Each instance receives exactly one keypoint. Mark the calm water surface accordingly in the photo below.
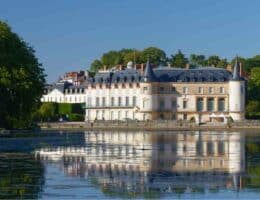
(115, 165)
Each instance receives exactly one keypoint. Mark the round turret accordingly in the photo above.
(129, 65)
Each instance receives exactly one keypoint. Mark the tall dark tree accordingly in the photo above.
(21, 80)
(178, 60)
(154, 54)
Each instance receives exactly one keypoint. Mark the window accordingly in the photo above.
(161, 89)
(221, 90)
(185, 116)
(126, 114)
(97, 101)
(161, 104)
(134, 101)
(210, 148)
(173, 89)
(221, 104)
(127, 101)
(184, 105)
(89, 101)
(112, 115)
(185, 90)
(211, 90)
(103, 114)
(103, 101)
(200, 90)
(173, 103)
(145, 89)
(242, 89)
(221, 148)
(200, 104)
(210, 104)
(119, 115)
(119, 101)
(97, 113)
(112, 101)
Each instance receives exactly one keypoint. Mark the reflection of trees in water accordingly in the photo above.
(21, 176)
(253, 163)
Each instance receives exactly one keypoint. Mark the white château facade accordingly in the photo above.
(203, 94)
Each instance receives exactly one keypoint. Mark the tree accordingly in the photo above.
(96, 65)
(253, 95)
(111, 58)
(22, 80)
(254, 84)
(253, 110)
(178, 60)
(198, 60)
(154, 54)
(135, 56)
(213, 60)
(222, 63)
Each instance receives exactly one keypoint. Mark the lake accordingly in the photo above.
(121, 164)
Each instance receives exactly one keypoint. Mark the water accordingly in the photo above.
(115, 165)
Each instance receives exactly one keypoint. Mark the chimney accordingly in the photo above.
(142, 68)
(240, 69)
(187, 66)
(229, 67)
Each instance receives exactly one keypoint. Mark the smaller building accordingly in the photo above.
(64, 92)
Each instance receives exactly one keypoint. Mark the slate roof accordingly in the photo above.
(235, 71)
(164, 74)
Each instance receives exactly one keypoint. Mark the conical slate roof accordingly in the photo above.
(148, 73)
(235, 71)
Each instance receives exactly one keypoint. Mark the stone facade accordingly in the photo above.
(153, 97)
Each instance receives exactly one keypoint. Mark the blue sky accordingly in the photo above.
(68, 35)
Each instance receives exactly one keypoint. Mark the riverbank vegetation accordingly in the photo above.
(51, 111)
(22, 80)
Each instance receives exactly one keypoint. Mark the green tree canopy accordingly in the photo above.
(213, 60)
(199, 60)
(95, 65)
(178, 60)
(222, 63)
(154, 54)
(111, 58)
(21, 80)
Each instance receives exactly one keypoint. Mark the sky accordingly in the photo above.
(68, 35)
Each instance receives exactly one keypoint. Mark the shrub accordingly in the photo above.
(76, 117)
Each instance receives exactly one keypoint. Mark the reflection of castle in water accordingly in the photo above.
(140, 161)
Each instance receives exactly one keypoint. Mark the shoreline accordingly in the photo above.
(144, 126)
(140, 126)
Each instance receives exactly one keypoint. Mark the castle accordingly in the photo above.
(202, 94)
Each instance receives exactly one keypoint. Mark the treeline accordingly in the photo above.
(51, 111)
(158, 56)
